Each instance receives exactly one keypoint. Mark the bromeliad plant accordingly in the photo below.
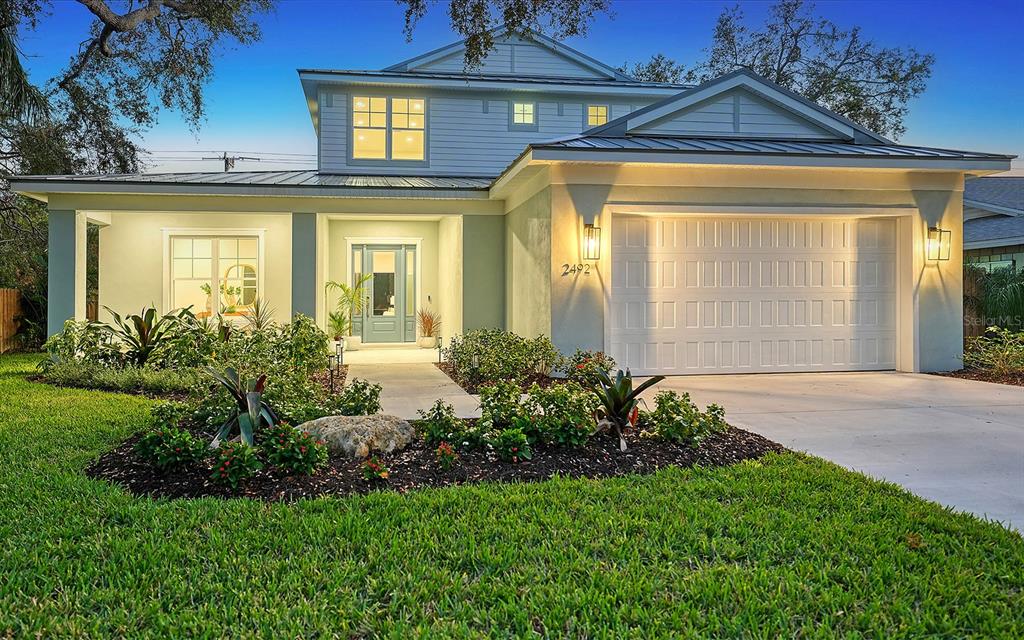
(619, 402)
(143, 334)
(250, 411)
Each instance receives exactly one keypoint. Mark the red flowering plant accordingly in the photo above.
(511, 445)
(447, 458)
(374, 469)
(583, 367)
(294, 451)
(236, 461)
(170, 448)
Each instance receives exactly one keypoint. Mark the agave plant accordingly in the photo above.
(250, 412)
(619, 401)
(142, 334)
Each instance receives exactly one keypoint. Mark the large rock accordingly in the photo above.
(359, 436)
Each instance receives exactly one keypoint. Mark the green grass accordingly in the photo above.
(792, 546)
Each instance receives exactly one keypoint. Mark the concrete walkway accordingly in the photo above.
(414, 386)
(958, 442)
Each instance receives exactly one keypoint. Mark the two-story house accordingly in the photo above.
(727, 227)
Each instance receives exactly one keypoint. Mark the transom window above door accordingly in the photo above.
(214, 274)
(388, 128)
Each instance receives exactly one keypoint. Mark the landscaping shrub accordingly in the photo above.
(142, 336)
(488, 355)
(446, 456)
(89, 375)
(619, 401)
(358, 398)
(77, 342)
(374, 469)
(511, 445)
(500, 405)
(584, 365)
(234, 463)
(294, 451)
(250, 411)
(677, 418)
(170, 448)
(999, 351)
(564, 413)
(440, 424)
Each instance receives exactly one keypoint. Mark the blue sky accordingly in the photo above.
(975, 98)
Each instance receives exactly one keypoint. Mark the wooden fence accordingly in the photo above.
(10, 310)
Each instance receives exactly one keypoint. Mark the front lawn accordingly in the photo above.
(784, 547)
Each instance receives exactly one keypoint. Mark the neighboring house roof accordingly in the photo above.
(999, 194)
(263, 183)
(994, 231)
(599, 68)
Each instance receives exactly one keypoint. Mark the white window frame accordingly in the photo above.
(206, 232)
(389, 129)
(523, 126)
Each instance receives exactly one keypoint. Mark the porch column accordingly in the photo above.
(65, 279)
(304, 288)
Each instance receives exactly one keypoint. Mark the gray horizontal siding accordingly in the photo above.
(462, 139)
(515, 56)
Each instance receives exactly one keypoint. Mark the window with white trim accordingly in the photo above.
(388, 128)
(597, 114)
(214, 274)
(523, 113)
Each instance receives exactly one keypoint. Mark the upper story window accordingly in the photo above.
(523, 113)
(597, 114)
(371, 126)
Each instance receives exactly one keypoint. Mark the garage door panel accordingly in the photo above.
(707, 295)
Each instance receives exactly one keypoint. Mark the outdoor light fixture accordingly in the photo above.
(938, 243)
(335, 362)
(591, 242)
(439, 341)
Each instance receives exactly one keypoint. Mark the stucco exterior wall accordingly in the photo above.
(483, 267)
(528, 236)
(449, 275)
(131, 264)
(930, 334)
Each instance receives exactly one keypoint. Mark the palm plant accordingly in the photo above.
(143, 334)
(250, 411)
(995, 298)
(338, 324)
(350, 298)
(619, 401)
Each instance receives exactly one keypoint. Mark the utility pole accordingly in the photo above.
(229, 161)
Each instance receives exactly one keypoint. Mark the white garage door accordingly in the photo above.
(730, 295)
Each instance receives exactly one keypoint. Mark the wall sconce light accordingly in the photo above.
(938, 243)
(591, 242)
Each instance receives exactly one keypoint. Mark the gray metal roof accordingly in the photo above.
(502, 78)
(1006, 192)
(751, 146)
(312, 179)
(994, 228)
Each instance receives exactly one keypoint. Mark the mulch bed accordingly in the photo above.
(985, 376)
(324, 378)
(540, 379)
(416, 467)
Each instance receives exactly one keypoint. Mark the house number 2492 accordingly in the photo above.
(575, 269)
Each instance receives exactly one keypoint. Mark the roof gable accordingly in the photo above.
(534, 55)
(744, 105)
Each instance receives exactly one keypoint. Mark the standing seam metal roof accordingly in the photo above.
(309, 178)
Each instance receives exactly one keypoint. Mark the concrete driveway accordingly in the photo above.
(957, 442)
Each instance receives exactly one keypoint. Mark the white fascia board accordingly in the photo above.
(752, 85)
(995, 242)
(554, 86)
(995, 208)
(42, 188)
(764, 159)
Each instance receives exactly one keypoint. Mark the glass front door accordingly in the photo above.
(389, 293)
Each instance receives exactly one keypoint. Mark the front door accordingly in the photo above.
(389, 294)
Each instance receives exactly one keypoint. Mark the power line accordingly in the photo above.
(229, 161)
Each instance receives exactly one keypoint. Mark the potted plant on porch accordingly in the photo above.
(430, 327)
(350, 302)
